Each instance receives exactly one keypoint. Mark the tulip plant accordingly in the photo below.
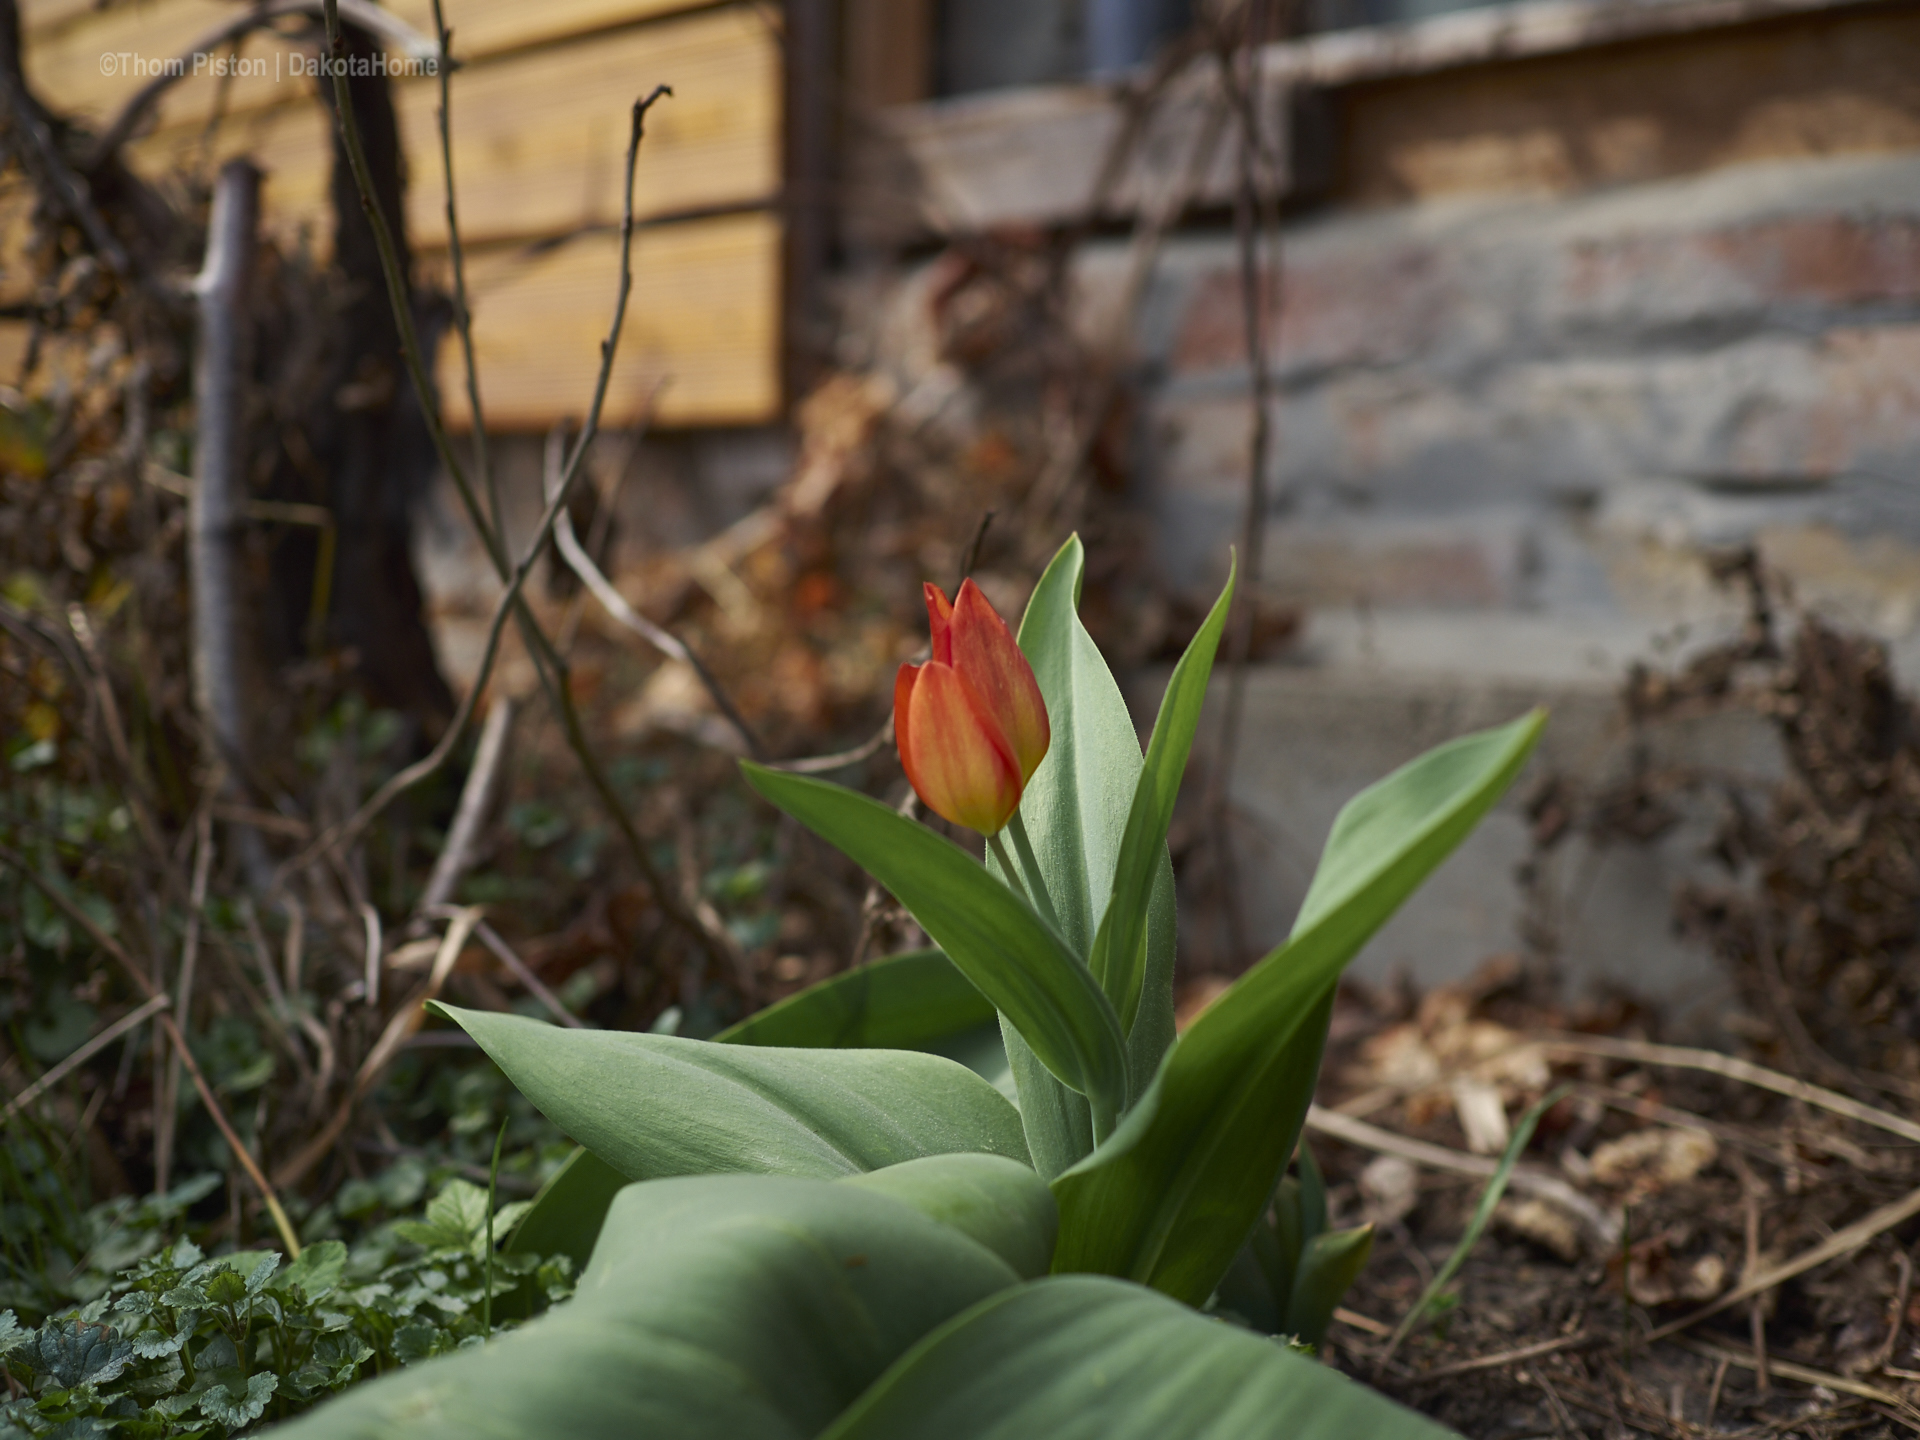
(978, 1191)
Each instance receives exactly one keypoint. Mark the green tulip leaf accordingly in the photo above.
(721, 1307)
(991, 934)
(1080, 1357)
(1329, 1265)
(1077, 809)
(657, 1105)
(1000, 1203)
(1119, 956)
(1169, 1198)
(916, 1000)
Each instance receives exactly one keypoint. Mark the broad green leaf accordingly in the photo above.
(657, 1105)
(1330, 1264)
(1085, 1358)
(1000, 1203)
(899, 1002)
(998, 943)
(917, 1000)
(1076, 808)
(317, 1272)
(1169, 1198)
(721, 1307)
(1119, 956)
(912, 1001)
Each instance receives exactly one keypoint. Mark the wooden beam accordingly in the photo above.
(704, 319)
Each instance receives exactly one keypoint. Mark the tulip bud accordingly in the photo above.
(970, 723)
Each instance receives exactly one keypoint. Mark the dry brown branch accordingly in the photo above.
(822, 764)
(1551, 1188)
(183, 999)
(142, 982)
(1714, 1063)
(522, 972)
(85, 1053)
(476, 799)
(1807, 1375)
(401, 1024)
(549, 665)
(1513, 1357)
(1841, 1242)
(658, 636)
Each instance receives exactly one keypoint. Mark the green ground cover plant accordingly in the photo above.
(861, 1217)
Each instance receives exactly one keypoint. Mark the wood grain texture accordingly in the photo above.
(704, 321)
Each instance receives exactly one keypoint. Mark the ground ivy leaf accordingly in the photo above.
(222, 1406)
(12, 1335)
(81, 1354)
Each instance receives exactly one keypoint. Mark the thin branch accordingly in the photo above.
(1550, 1188)
(142, 982)
(347, 831)
(401, 1024)
(1714, 1063)
(549, 665)
(80, 1057)
(457, 254)
(521, 971)
(183, 997)
(476, 799)
(823, 764)
(658, 636)
(1841, 1242)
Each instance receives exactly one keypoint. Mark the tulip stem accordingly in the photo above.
(1036, 881)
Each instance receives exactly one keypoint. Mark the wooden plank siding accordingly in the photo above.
(540, 107)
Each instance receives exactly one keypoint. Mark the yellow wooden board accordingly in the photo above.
(540, 138)
(702, 325)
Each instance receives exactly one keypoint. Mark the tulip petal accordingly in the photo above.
(939, 622)
(956, 758)
(902, 705)
(987, 656)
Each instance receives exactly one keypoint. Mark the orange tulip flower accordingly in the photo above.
(970, 723)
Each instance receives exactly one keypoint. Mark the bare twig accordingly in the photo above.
(219, 458)
(1807, 1375)
(371, 945)
(85, 1053)
(658, 636)
(1240, 77)
(401, 1024)
(822, 764)
(1550, 1188)
(142, 982)
(521, 971)
(457, 254)
(1512, 1357)
(1714, 1063)
(1841, 1242)
(54, 178)
(549, 665)
(476, 799)
(167, 1101)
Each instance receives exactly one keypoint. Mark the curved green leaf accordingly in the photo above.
(990, 933)
(724, 1307)
(1000, 1203)
(900, 1002)
(917, 1000)
(1169, 1198)
(1119, 955)
(656, 1105)
(912, 1001)
(1329, 1265)
(1077, 808)
(1085, 1358)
